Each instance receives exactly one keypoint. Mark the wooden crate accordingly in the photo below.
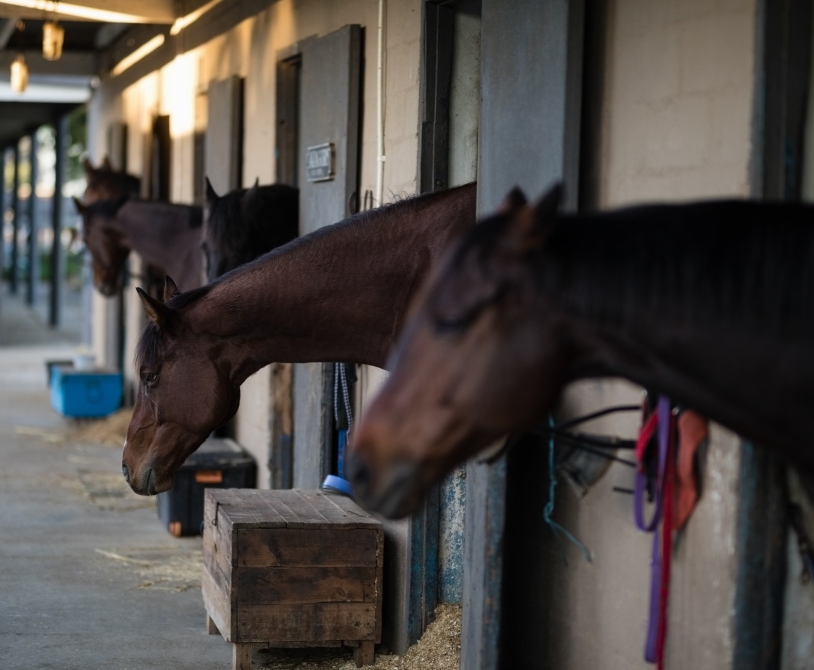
(291, 568)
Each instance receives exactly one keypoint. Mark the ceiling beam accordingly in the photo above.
(111, 11)
(72, 63)
(7, 27)
(216, 20)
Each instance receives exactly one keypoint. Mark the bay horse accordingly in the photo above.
(105, 183)
(338, 294)
(710, 303)
(243, 224)
(166, 235)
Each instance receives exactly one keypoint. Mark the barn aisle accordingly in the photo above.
(88, 577)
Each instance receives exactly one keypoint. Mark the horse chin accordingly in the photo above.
(399, 497)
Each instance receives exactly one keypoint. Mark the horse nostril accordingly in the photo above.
(126, 473)
(149, 482)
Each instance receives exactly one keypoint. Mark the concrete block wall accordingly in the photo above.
(676, 125)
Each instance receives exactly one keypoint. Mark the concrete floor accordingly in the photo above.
(88, 577)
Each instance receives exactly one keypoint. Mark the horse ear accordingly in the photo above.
(74, 232)
(106, 164)
(158, 312)
(250, 196)
(81, 208)
(546, 207)
(87, 165)
(211, 196)
(119, 203)
(531, 224)
(514, 200)
(170, 289)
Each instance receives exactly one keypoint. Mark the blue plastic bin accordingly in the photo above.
(85, 394)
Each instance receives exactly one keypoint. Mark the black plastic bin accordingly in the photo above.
(218, 463)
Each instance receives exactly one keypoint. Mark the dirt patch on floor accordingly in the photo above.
(438, 649)
(109, 491)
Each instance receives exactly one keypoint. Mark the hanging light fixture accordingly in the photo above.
(19, 74)
(53, 35)
(19, 68)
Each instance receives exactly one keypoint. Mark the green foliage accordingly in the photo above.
(73, 266)
(77, 143)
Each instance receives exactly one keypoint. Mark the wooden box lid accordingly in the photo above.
(288, 508)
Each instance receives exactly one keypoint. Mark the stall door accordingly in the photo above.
(328, 175)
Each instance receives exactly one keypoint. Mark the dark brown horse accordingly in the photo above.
(246, 223)
(711, 304)
(104, 183)
(167, 236)
(339, 294)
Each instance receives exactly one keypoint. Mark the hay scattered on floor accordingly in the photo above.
(438, 649)
(175, 569)
(109, 491)
(109, 431)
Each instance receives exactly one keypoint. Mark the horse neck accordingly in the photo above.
(165, 236)
(699, 358)
(339, 294)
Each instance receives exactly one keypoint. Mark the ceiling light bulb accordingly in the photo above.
(53, 35)
(19, 74)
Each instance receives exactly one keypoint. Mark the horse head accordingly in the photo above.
(243, 224)
(108, 247)
(104, 183)
(178, 367)
(467, 367)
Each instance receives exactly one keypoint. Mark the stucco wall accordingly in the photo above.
(676, 124)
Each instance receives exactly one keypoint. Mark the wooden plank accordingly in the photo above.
(217, 550)
(364, 654)
(299, 513)
(308, 622)
(217, 606)
(319, 584)
(303, 644)
(356, 515)
(379, 592)
(262, 547)
(242, 654)
(222, 577)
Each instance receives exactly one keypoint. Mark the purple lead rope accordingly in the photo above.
(663, 427)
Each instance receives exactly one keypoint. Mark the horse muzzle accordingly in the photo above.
(148, 482)
(398, 495)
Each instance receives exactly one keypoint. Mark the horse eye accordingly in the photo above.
(453, 325)
(150, 378)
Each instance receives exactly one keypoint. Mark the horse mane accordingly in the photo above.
(150, 346)
(732, 262)
(125, 182)
(370, 217)
(244, 230)
(109, 208)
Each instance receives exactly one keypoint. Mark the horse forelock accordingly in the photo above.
(150, 347)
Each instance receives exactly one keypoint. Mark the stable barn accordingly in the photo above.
(361, 102)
